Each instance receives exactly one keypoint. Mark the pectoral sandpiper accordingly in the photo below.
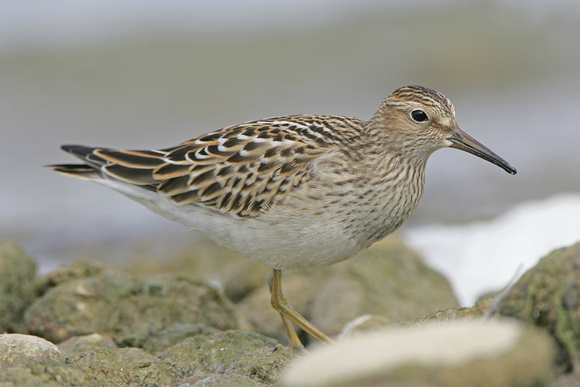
(296, 191)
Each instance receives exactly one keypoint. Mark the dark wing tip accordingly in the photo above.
(78, 150)
(84, 171)
(86, 154)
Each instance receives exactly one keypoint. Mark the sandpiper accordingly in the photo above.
(296, 191)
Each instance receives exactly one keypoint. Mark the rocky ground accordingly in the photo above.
(203, 318)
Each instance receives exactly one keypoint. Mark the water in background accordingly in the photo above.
(143, 76)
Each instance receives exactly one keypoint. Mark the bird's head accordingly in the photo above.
(423, 120)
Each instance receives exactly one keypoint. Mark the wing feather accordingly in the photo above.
(240, 170)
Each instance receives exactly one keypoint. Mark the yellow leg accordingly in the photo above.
(289, 315)
(292, 336)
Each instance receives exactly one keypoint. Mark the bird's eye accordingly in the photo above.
(419, 116)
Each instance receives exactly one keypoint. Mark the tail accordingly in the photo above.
(126, 166)
(91, 170)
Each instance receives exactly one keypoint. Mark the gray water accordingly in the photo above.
(135, 76)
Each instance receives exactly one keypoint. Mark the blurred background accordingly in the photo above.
(133, 74)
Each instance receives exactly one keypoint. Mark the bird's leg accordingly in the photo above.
(292, 336)
(288, 314)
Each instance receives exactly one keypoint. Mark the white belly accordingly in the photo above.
(300, 233)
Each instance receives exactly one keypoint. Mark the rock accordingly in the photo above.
(19, 349)
(235, 274)
(548, 296)
(481, 308)
(364, 324)
(388, 281)
(233, 352)
(217, 380)
(224, 358)
(456, 353)
(17, 271)
(80, 344)
(174, 334)
(125, 367)
(75, 270)
(130, 310)
(568, 380)
(46, 373)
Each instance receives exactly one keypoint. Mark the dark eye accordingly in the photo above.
(419, 116)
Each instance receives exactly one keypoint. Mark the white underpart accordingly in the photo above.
(285, 242)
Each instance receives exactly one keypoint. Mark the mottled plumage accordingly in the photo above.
(294, 191)
(239, 170)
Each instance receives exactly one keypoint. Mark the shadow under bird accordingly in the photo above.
(292, 192)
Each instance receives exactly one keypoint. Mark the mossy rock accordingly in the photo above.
(204, 260)
(388, 280)
(252, 355)
(130, 310)
(47, 373)
(173, 335)
(75, 270)
(125, 367)
(548, 296)
(80, 344)
(17, 272)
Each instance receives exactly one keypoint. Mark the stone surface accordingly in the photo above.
(46, 373)
(456, 353)
(233, 352)
(17, 271)
(75, 270)
(130, 310)
(548, 296)
(235, 274)
(18, 349)
(80, 344)
(217, 380)
(224, 358)
(388, 280)
(177, 323)
(173, 335)
(125, 367)
(480, 309)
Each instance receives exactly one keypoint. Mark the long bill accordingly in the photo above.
(465, 142)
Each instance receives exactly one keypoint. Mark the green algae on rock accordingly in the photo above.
(47, 373)
(174, 334)
(548, 296)
(130, 310)
(126, 367)
(27, 360)
(79, 344)
(75, 270)
(250, 354)
(17, 272)
(389, 279)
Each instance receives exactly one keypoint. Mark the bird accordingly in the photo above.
(295, 191)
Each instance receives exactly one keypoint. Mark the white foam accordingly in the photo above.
(484, 256)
